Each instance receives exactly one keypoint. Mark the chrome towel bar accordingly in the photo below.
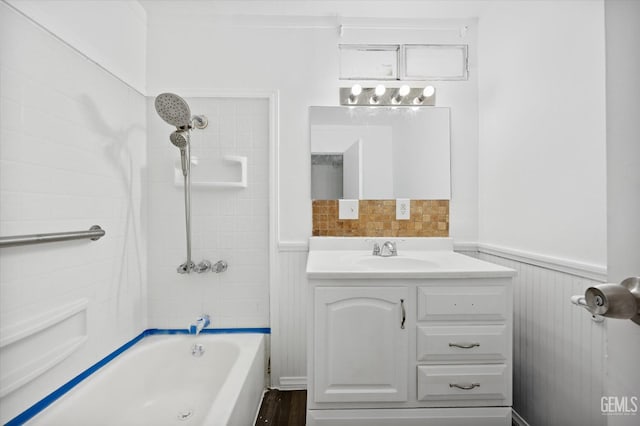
(94, 233)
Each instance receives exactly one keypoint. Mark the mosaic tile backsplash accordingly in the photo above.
(377, 218)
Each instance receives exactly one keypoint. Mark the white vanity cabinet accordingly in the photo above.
(409, 347)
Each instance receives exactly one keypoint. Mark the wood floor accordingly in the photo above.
(283, 408)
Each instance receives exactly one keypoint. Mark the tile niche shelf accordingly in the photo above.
(178, 179)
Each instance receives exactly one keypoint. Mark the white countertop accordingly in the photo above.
(331, 258)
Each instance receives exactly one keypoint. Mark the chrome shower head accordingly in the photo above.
(180, 139)
(174, 110)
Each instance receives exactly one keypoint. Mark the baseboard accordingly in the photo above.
(517, 419)
(293, 383)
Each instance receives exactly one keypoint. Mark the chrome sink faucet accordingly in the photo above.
(387, 249)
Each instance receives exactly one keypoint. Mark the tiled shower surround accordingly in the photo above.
(228, 224)
(377, 218)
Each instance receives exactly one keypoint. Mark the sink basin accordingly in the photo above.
(395, 262)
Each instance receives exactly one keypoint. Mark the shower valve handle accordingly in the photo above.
(203, 266)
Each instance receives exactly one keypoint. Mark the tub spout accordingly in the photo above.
(200, 323)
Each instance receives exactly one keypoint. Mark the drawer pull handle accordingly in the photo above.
(464, 387)
(404, 313)
(464, 345)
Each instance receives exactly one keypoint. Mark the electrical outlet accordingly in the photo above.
(348, 209)
(403, 209)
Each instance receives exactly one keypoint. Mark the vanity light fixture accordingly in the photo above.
(400, 94)
(377, 94)
(356, 89)
(404, 95)
(428, 92)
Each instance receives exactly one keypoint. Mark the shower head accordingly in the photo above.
(174, 110)
(180, 138)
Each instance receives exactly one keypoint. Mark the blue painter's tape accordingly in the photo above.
(36, 408)
(259, 330)
(39, 406)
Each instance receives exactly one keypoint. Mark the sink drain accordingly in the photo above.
(185, 414)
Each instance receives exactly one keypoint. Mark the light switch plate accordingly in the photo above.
(348, 209)
(403, 209)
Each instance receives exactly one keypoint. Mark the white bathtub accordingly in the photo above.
(159, 382)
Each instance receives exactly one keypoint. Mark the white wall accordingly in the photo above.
(542, 129)
(111, 33)
(72, 154)
(623, 192)
(227, 48)
(542, 194)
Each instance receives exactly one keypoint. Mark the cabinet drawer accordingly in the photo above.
(472, 343)
(462, 302)
(463, 382)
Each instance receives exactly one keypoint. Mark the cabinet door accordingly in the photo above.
(361, 344)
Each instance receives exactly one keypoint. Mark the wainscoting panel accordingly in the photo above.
(288, 320)
(559, 351)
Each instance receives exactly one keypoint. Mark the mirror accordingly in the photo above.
(380, 153)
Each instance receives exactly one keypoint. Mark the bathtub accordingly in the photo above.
(211, 379)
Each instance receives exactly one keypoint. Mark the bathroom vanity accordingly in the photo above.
(420, 338)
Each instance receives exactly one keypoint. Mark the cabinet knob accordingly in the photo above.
(404, 314)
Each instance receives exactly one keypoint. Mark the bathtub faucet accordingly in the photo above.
(200, 323)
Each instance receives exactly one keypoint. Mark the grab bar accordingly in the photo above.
(94, 233)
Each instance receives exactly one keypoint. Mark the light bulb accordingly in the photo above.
(428, 91)
(379, 91)
(356, 89)
(402, 92)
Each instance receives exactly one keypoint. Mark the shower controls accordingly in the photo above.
(186, 267)
(203, 266)
(220, 266)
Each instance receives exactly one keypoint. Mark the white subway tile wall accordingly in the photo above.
(230, 224)
(72, 155)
